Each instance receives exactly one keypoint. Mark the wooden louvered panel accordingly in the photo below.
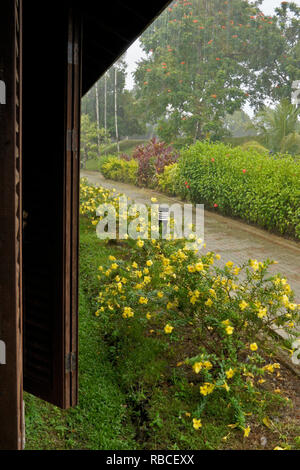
(11, 385)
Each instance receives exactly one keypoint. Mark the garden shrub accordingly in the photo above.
(152, 159)
(264, 190)
(212, 322)
(253, 145)
(167, 181)
(114, 168)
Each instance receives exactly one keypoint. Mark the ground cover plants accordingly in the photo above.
(178, 324)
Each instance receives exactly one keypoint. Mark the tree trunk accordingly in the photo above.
(196, 132)
(116, 110)
(105, 102)
(97, 117)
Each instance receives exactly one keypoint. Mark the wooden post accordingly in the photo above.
(11, 373)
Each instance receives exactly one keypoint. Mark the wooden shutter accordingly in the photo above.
(51, 195)
(11, 382)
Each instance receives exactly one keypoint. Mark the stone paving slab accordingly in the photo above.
(233, 240)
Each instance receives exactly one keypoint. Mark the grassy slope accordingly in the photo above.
(99, 421)
(126, 146)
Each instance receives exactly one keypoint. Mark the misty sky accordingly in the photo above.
(135, 53)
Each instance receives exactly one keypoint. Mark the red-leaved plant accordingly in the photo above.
(152, 159)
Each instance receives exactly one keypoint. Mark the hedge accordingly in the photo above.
(115, 168)
(264, 190)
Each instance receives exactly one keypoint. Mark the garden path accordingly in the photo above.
(232, 239)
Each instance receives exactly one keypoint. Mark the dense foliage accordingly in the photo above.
(264, 190)
(244, 182)
(204, 321)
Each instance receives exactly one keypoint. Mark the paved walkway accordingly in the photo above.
(234, 240)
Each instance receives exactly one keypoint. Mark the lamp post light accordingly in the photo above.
(163, 219)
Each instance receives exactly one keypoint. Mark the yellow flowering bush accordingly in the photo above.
(175, 295)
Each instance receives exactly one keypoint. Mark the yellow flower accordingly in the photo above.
(197, 423)
(212, 293)
(262, 312)
(254, 264)
(229, 264)
(111, 258)
(207, 365)
(247, 431)
(128, 312)
(278, 448)
(191, 268)
(209, 302)
(143, 300)
(243, 305)
(253, 347)
(218, 256)
(285, 300)
(229, 330)
(199, 266)
(114, 266)
(197, 367)
(149, 262)
(168, 329)
(148, 316)
(153, 200)
(229, 373)
(140, 243)
(160, 295)
(225, 385)
(134, 265)
(207, 388)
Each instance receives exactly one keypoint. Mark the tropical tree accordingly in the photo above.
(206, 59)
(91, 138)
(279, 127)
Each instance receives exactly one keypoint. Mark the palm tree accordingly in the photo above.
(279, 127)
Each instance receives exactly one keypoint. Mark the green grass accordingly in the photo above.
(126, 146)
(101, 420)
(129, 397)
(93, 164)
